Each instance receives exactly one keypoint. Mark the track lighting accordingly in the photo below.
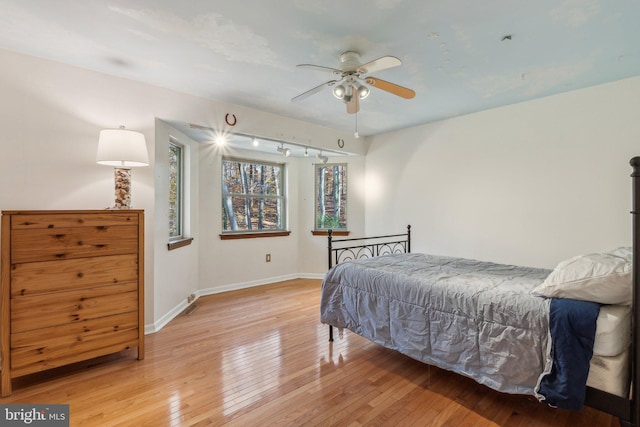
(284, 151)
(255, 142)
(306, 152)
(323, 159)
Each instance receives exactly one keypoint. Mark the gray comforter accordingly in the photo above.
(474, 318)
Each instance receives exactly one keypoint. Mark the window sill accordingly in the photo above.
(333, 233)
(179, 243)
(233, 236)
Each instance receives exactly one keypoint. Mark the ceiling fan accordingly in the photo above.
(347, 81)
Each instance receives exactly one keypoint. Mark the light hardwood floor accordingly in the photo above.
(260, 357)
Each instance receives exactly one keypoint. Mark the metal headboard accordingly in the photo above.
(341, 250)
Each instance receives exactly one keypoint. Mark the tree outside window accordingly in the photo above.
(252, 196)
(331, 196)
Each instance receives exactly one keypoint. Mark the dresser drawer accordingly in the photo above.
(55, 276)
(46, 348)
(50, 244)
(72, 219)
(45, 310)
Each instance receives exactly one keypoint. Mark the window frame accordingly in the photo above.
(180, 188)
(319, 230)
(283, 198)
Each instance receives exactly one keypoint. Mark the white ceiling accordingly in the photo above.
(459, 56)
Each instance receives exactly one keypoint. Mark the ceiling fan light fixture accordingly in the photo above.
(363, 91)
(339, 91)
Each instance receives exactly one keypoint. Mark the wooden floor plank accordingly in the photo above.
(260, 357)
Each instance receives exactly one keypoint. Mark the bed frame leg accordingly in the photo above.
(330, 333)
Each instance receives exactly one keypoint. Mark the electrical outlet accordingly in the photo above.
(268, 258)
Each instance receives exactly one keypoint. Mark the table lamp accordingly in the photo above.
(122, 149)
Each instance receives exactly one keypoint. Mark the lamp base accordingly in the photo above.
(122, 188)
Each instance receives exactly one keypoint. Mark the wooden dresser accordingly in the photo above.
(72, 288)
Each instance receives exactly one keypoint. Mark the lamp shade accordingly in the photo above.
(122, 148)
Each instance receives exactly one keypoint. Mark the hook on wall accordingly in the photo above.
(226, 119)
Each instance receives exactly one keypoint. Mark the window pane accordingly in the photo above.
(251, 178)
(331, 196)
(263, 214)
(252, 196)
(175, 190)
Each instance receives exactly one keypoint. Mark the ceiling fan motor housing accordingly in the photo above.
(350, 60)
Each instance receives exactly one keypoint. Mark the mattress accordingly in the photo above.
(609, 366)
(610, 373)
(613, 330)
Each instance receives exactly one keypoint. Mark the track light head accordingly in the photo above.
(284, 151)
(323, 159)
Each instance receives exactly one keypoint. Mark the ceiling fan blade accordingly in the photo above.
(353, 106)
(313, 91)
(321, 68)
(379, 64)
(390, 87)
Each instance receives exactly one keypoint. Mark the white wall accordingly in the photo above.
(527, 184)
(177, 272)
(51, 115)
(314, 248)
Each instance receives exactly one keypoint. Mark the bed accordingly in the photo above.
(562, 335)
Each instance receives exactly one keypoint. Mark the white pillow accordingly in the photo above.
(603, 277)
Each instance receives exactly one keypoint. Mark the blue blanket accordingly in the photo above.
(573, 328)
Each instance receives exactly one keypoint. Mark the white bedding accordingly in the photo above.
(610, 373)
(609, 366)
(613, 331)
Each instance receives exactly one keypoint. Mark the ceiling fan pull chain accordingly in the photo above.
(355, 134)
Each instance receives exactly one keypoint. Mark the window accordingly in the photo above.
(331, 196)
(176, 189)
(253, 196)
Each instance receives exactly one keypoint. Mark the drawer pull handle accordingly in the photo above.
(80, 274)
(101, 227)
(59, 256)
(80, 243)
